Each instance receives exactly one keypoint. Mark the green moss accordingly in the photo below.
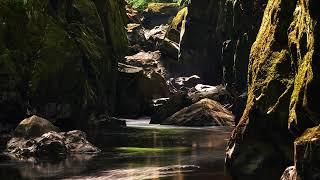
(142, 4)
(157, 7)
(63, 54)
(309, 135)
(179, 18)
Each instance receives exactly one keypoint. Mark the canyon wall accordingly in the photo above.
(217, 39)
(283, 82)
(58, 59)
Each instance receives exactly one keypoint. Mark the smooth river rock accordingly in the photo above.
(203, 113)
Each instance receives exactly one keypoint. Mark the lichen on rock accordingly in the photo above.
(282, 90)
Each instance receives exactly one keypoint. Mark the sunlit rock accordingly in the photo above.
(34, 126)
(203, 113)
(283, 96)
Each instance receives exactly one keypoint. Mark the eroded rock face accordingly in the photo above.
(206, 112)
(217, 37)
(282, 93)
(57, 57)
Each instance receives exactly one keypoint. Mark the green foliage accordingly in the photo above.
(141, 4)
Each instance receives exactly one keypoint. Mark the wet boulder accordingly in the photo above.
(34, 126)
(37, 137)
(203, 113)
(76, 142)
(175, 103)
(51, 145)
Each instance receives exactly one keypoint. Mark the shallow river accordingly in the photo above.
(142, 151)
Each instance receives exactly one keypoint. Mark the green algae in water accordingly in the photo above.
(139, 150)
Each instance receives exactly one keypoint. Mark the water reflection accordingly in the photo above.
(141, 152)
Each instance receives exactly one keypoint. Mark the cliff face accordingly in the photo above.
(217, 39)
(58, 58)
(282, 93)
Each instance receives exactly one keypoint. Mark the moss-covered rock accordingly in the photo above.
(58, 58)
(34, 126)
(157, 14)
(282, 93)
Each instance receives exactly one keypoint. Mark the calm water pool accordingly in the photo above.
(142, 151)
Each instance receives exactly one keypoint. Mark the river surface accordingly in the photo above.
(140, 152)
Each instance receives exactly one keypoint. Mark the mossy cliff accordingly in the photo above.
(58, 58)
(282, 93)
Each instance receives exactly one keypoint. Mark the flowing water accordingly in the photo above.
(141, 151)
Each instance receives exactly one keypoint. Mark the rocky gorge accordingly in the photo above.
(73, 71)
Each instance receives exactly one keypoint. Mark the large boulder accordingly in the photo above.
(137, 89)
(203, 113)
(58, 58)
(34, 126)
(175, 103)
(283, 91)
(51, 145)
(185, 97)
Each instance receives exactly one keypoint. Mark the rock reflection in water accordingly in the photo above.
(36, 169)
(142, 151)
(142, 173)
